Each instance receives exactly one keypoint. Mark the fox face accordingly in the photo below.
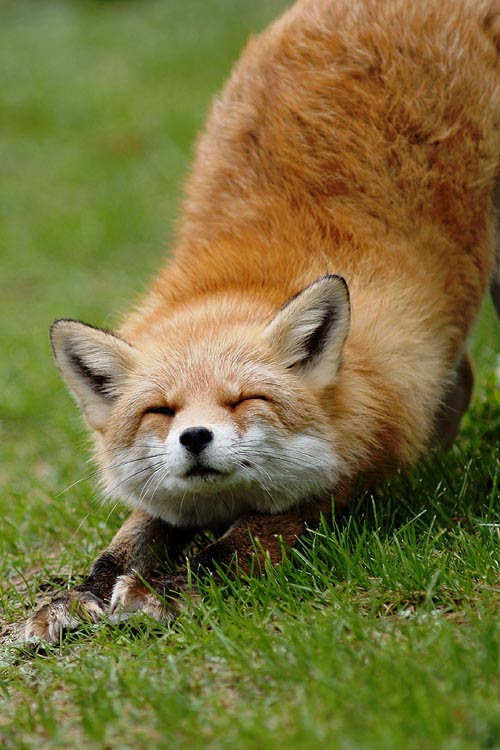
(211, 415)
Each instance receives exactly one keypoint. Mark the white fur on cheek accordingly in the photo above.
(288, 468)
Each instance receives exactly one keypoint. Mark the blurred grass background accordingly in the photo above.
(100, 103)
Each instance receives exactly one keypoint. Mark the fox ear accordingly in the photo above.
(308, 332)
(94, 364)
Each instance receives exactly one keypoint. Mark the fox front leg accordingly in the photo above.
(139, 545)
(250, 537)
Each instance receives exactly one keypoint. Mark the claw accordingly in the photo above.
(131, 595)
(67, 612)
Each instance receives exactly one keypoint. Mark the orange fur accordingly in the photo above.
(358, 138)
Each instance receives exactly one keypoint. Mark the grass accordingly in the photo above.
(382, 630)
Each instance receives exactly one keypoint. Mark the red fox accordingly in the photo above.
(338, 236)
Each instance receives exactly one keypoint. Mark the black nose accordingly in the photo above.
(196, 438)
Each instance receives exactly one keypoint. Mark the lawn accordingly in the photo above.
(382, 631)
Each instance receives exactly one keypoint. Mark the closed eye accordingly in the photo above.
(166, 410)
(243, 399)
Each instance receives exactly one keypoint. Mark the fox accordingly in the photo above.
(308, 335)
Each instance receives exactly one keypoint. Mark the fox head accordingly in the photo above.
(212, 414)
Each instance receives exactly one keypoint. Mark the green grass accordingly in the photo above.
(379, 633)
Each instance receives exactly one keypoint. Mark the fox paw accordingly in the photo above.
(158, 600)
(67, 612)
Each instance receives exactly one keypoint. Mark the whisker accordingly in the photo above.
(163, 475)
(262, 485)
(153, 470)
(131, 446)
(87, 515)
(128, 479)
(261, 469)
(265, 449)
(196, 510)
(283, 463)
(281, 458)
(268, 493)
(108, 468)
(80, 524)
(111, 511)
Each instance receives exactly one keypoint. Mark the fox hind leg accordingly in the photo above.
(455, 403)
(495, 275)
(495, 285)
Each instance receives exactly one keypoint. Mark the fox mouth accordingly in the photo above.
(200, 471)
